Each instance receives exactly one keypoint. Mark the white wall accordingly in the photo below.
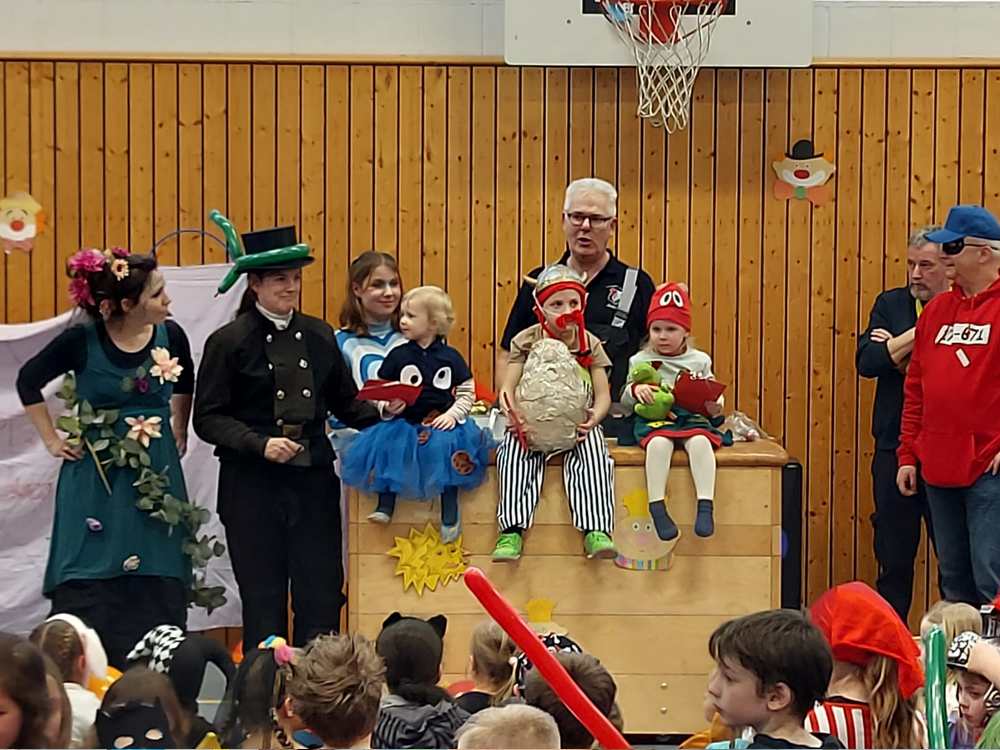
(841, 29)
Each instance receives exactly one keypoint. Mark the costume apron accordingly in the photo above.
(97, 536)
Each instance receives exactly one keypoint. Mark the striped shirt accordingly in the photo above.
(850, 721)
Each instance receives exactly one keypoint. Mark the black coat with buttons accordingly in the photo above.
(256, 382)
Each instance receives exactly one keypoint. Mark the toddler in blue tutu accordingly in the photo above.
(429, 448)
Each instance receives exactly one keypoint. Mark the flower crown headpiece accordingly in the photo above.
(92, 260)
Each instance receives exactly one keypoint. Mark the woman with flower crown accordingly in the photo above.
(116, 559)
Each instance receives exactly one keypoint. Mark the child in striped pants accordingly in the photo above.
(588, 470)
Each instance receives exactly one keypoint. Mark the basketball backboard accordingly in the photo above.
(751, 33)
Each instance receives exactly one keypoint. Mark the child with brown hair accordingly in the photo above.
(24, 695)
(430, 449)
(510, 727)
(770, 670)
(79, 655)
(491, 667)
(335, 689)
(872, 695)
(59, 725)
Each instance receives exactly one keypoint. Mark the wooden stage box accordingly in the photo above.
(650, 628)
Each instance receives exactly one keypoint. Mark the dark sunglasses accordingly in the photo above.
(955, 247)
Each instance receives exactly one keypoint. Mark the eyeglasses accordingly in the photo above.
(955, 247)
(596, 220)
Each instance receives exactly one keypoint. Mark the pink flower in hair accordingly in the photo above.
(79, 291)
(88, 261)
(119, 252)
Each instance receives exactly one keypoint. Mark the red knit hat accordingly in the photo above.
(859, 624)
(672, 304)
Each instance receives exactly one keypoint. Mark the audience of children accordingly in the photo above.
(24, 694)
(492, 658)
(416, 712)
(59, 725)
(512, 727)
(141, 709)
(871, 698)
(977, 674)
(79, 655)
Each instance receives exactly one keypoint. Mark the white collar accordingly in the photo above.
(281, 322)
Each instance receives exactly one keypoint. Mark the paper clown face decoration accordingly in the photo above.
(21, 220)
(639, 548)
(803, 175)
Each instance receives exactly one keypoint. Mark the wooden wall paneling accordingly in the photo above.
(556, 161)
(752, 192)
(872, 251)
(141, 133)
(991, 169)
(775, 247)
(17, 176)
(312, 188)
(411, 200)
(897, 176)
(947, 119)
(483, 220)
(338, 194)
(846, 422)
(702, 127)
(215, 134)
(581, 123)
(532, 181)
(922, 211)
(362, 159)
(239, 148)
(91, 143)
(289, 183)
(66, 177)
(165, 172)
(41, 119)
(508, 160)
(264, 148)
(606, 124)
(725, 294)
(459, 205)
(972, 140)
(820, 349)
(116, 155)
(654, 201)
(191, 163)
(436, 174)
(922, 207)
(386, 157)
(629, 185)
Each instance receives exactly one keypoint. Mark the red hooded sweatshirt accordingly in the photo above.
(951, 407)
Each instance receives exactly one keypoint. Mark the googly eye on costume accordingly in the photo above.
(410, 375)
(442, 378)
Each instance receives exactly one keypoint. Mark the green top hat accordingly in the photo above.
(264, 250)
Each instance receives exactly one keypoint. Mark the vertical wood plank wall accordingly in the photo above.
(459, 171)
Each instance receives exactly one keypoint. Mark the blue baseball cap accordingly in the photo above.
(967, 221)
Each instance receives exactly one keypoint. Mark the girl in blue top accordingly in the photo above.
(369, 325)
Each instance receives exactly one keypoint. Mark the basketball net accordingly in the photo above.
(669, 48)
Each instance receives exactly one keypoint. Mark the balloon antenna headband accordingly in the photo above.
(244, 262)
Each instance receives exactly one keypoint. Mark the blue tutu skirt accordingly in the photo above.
(416, 461)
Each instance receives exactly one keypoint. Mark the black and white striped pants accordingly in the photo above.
(588, 475)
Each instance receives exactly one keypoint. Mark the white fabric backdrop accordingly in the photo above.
(28, 473)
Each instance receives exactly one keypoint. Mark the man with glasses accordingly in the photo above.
(951, 409)
(617, 295)
(884, 353)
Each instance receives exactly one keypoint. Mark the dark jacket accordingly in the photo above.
(894, 310)
(256, 382)
(402, 724)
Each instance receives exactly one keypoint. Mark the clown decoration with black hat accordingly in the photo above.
(560, 296)
(267, 382)
(667, 354)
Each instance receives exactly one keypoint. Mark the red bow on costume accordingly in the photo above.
(859, 624)
(815, 195)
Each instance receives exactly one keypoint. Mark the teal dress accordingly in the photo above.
(96, 536)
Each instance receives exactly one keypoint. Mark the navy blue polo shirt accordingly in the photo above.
(603, 295)
(438, 368)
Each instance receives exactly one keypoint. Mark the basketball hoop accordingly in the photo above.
(669, 46)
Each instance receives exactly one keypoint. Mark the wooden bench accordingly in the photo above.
(650, 628)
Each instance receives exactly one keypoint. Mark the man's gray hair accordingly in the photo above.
(592, 185)
(511, 727)
(919, 237)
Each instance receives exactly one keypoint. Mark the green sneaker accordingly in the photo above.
(508, 548)
(598, 544)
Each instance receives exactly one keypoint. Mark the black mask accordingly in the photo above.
(134, 725)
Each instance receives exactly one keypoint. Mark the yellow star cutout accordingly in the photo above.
(424, 561)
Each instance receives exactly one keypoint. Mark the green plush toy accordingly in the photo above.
(663, 399)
